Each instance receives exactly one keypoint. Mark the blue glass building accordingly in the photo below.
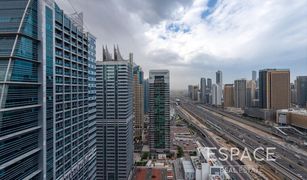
(47, 117)
(146, 96)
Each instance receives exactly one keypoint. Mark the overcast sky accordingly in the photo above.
(196, 38)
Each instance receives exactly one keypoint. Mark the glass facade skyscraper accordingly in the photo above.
(159, 111)
(92, 103)
(20, 88)
(46, 117)
(146, 96)
(203, 88)
(301, 89)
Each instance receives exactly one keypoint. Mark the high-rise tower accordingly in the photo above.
(114, 116)
(219, 84)
(228, 95)
(254, 75)
(219, 78)
(146, 96)
(138, 102)
(203, 88)
(250, 92)
(301, 90)
(45, 131)
(159, 111)
(240, 93)
(274, 89)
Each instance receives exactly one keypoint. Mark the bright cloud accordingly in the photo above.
(196, 38)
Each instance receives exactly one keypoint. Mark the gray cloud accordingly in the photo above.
(237, 38)
(154, 11)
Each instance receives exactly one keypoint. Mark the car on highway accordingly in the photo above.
(301, 163)
(300, 176)
(297, 156)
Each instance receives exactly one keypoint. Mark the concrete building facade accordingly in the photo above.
(138, 102)
(114, 116)
(203, 90)
(240, 93)
(209, 85)
(274, 89)
(209, 91)
(188, 169)
(250, 93)
(296, 118)
(219, 83)
(190, 91)
(216, 95)
(195, 90)
(228, 95)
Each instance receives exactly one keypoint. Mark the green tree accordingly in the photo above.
(145, 155)
(179, 152)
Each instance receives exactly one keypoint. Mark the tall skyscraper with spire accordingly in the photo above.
(114, 116)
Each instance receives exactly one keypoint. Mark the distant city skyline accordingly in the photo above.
(197, 79)
(196, 38)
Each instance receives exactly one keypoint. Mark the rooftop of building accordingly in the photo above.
(187, 166)
(273, 69)
(197, 162)
(295, 111)
(142, 173)
(228, 85)
(158, 71)
(209, 156)
(181, 136)
(107, 56)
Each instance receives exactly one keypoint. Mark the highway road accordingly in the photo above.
(298, 139)
(286, 160)
(209, 142)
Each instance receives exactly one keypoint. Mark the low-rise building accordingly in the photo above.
(188, 169)
(296, 118)
(204, 166)
(265, 114)
(142, 173)
(181, 136)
